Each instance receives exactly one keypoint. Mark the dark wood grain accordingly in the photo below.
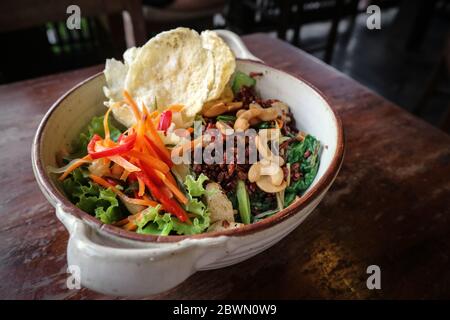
(389, 206)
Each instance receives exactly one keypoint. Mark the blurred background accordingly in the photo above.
(406, 61)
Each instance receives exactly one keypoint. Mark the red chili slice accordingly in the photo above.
(165, 120)
(169, 205)
(125, 145)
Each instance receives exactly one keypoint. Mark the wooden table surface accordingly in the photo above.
(389, 206)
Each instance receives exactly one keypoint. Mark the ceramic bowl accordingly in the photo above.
(151, 264)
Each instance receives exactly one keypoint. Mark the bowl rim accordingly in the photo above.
(56, 197)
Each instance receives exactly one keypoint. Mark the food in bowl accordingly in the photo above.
(186, 145)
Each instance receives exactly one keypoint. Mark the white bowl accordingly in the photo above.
(117, 262)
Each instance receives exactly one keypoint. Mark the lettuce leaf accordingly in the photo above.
(152, 222)
(195, 186)
(92, 198)
(107, 199)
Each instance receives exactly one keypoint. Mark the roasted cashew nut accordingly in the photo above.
(220, 108)
(262, 168)
(261, 140)
(254, 116)
(224, 128)
(265, 184)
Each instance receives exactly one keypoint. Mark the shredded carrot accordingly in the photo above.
(124, 175)
(106, 184)
(154, 136)
(121, 161)
(172, 186)
(130, 226)
(132, 104)
(176, 107)
(151, 161)
(74, 166)
(141, 187)
(279, 123)
(156, 119)
(121, 222)
(153, 114)
(171, 178)
(190, 129)
(106, 125)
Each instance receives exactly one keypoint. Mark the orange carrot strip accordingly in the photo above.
(121, 161)
(74, 166)
(121, 222)
(156, 119)
(130, 226)
(141, 187)
(151, 161)
(106, 125)
(106, 184)
(172, 187)
(132, 104)
(124, 175)
(156, 138)
(176, 107)
(190, 129)
(153, 114)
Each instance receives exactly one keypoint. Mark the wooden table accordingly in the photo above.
(390, 205)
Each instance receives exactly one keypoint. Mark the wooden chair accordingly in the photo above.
(195, 14)
(38, 41)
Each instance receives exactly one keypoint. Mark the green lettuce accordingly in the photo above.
(162, 224)
(152, 222)
(195, 186)
(92, 198)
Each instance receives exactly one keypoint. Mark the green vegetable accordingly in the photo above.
(265, 125)
(107, 199)
(153, 223)
(243, 202)
(226, 118)
(156, 224)
(309, 166)
(241, 79)
(260, 203)
(94, 127)
(162, 224)
(92, 198)
(195, 206)
(297, 149)
(264, 215)
(195, 186)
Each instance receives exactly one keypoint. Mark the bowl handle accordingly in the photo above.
(237, 46)
(131, 268)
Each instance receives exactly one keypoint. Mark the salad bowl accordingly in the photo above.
(150, 264)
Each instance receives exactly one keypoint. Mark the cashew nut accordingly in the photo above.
(265, 184)
(220, 108)
(280, 107)
(224, 128)
(189, 145)
(253, 116)
(264, 136)
(262, 168)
